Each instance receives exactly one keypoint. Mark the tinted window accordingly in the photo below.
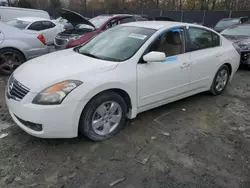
(37, 26)
(127, 20)
(171, 43)
(216, 40)
(117, 44)
(48, 25)
(243, 20)
(201, 39)
(18, 24)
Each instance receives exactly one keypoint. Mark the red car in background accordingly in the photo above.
(85, 29)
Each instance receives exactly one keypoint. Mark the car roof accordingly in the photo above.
(156, 24)
(32, 19)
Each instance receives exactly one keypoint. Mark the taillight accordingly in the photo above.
(42, 39)
(237, 48)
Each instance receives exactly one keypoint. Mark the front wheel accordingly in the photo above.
(220, 80)
(103, 117)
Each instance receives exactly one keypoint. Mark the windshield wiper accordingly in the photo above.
(90, 55)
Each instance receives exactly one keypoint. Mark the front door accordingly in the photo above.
(160, 81)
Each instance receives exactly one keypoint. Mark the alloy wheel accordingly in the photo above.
(106, 118)
(221, 80)
(9, 61)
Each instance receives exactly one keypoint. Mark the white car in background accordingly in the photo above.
(46, 27)
(10, 13)
(121, 72)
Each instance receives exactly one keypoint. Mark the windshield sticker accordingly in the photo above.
(175, 30)
(170, 59)
(137, 36)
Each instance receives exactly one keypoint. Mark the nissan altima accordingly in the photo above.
(92, 89)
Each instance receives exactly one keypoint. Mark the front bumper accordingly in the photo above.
(57, 121)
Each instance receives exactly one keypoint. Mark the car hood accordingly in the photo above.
(239, 40)
(75, 18)
(46, 70)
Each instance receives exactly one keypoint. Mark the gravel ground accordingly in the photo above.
(199, 142)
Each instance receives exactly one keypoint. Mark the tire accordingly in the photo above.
(10, 59)
(92, 112)
(215, 90)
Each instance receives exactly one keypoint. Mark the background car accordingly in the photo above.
(240, 34)
(86, 29)
(17, 46)
(67, 25)
(10, 13)
(46, 27)
(128, 69)
(227, 22)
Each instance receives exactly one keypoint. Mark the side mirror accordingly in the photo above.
(154, 57)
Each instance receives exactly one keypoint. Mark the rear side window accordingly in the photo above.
(202, 39)
(127, 20)
(37, 26)
(48, 25)
(243, 20)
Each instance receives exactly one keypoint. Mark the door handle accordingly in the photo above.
(218, 55)
(185, 65)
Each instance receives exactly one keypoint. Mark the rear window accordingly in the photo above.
(20, 24)
(99, 21)
(227, 23)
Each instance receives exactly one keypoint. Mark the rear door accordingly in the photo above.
(205, 54)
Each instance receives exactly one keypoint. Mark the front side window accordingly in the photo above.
(20, 24)
(171, 43)
(117, 44)
(202, 39)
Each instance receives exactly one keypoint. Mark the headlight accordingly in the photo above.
(55, 94)
(244, 46)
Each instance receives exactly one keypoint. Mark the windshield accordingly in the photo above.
(227, 23)
(20, 24)
(99, 21)
(117, 44)
(241, 30)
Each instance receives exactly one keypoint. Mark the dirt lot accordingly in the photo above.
(202, 141)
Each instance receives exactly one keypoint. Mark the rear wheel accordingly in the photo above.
(220, 80)
(103, 117)
(10, 59)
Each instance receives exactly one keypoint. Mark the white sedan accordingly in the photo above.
(123, 71)
(49, 29)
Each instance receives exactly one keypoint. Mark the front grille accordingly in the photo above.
(60, 42)
(16, 90)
